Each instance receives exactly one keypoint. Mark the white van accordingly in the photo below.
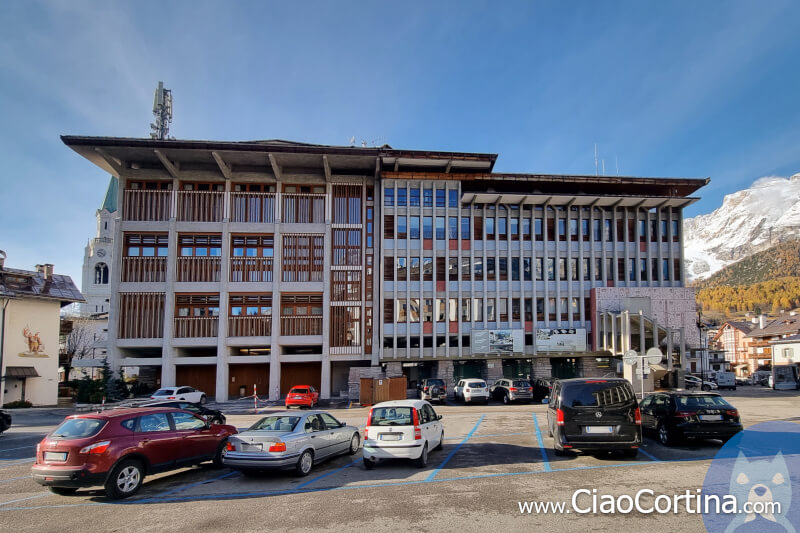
(402, 429)
(726, 380)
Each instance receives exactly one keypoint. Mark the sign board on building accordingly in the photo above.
(499, 341)
(561, 340)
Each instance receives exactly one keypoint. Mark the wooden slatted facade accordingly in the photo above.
(141, 315)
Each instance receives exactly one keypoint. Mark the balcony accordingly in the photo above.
(255, 207)
(201, 206)
(251, 269)
(303, 208)
(249, 326)
(198, 269)
(193, 327)
(144, 205)
(144, 269)
(301, 325)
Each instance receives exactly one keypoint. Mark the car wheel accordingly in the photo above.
(441, 442)
(422, 460)
(125, 479)
(630, 453)
(706, 388)
(304, 464)
(506, 400)
(369, 464)
(203, 399)
(217, 461)
(355, 442)
(665, 436)
(63, 491)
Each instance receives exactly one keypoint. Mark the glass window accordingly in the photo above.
(440, 228)
(414, 233)
(402, 229)
(401, 197)
(501, 226)
(489, 223)
(478, 269)
(330, 422)
(465, 227)
(452, 228)
(562, 268)
(477, 309)
(153, 422)
(391, 416)
(388, 196)
(515, 268)
(427, 198)
(453, 198)
(78, 428)
(514, 227)
(414, 197)
(526, 268)
(551, 269)
(185, 421)
(537, 229)
(439, 197)
(427, 228)
(490, 310)
(427, 268)
(490, 272)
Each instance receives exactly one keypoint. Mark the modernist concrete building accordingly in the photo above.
(380, 262)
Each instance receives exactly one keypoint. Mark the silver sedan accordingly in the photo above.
(290, 440)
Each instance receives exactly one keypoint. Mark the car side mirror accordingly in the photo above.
(439, 417)
(342, 424)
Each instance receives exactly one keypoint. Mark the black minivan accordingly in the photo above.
(592, 414)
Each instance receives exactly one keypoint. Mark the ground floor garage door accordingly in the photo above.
(246, 376)
(468, 369)
(201, 377)
(300, 374)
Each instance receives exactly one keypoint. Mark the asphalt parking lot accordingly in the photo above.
(493, 457)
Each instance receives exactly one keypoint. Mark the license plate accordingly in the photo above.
(55, 456)
(711, 418)
(599, 429)
(391, 436)
(252, 447)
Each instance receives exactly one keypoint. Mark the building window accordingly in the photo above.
(200, 245)
(347, 204)
(345, 285)
(502, 228)
(427, 198)
(427, 269)
(303, 258)
(562, 268)
(477, 223)
(466, 269)
(573, 229)
(414, 227)
(490, 271)
(413, 309)
(478, 268)
(402, 228)
(388, 269)
(345, 326)
(401, 269)
(251, 305)
(453, 198)
(551, 269)
(503, 267)
(537, 229)
(527, 272)
(401, 196)
(414, 197)
(440, 198)
(440, 228)
(427, 309)
(465, 227)
(477, 309)
(452, 269)
(427, 227)
(146, 245)
(101, 274)
(452, 228)
(196, 305)
(388, 196)
(515, 269)
(347, 247)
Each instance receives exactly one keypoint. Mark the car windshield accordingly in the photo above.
(78, 428)
(521, 384)
(276, 423)
(164, 392)
(476, 384)
(392, 416)
(693, 402)
(597, 394)
(298, 391)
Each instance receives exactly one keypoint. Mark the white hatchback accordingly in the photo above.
(470, 390)
(402, 429)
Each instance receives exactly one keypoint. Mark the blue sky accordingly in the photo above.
(689, 89)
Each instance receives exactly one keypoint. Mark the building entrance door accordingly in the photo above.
(564, 367)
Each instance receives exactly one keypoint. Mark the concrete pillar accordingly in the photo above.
(221, 394)
(394, 369)
(494, 370)
(444, 370)
(542, 368)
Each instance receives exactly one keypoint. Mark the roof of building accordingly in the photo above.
(791, 338)
(741, 325)
(789, 325)
(27, 284)
(110, 201)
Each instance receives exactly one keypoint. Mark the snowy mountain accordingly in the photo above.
(747, 222)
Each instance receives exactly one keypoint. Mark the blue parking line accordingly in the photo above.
(453, 452)
(242, 495)
(41, 495)
(9, 480)
(183, 487)
(650, 455)
(309, 482)
(19, 462)
(540, 442)
(484, 436)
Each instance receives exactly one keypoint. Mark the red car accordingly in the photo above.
(302, 396)
(118, 448)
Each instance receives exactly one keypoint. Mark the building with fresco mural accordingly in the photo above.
(272, 263)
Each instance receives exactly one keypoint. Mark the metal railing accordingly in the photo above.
(201, 206)
(198, 269)
(190, 327)
(251, 269)
(256, 207)
(146, 204)
(301, 325)
(249, 326)
(303, 208)
(144, 269)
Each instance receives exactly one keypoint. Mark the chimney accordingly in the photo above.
(2, 259)
(48, 270)
(40, 269)
(762, 321)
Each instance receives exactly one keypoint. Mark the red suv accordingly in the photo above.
(302, 396)
(118, 448)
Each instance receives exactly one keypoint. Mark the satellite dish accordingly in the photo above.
(629, 358)
(653, 356)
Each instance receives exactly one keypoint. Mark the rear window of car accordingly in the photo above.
(298, 391)
(435, 382)
(392, 416)
(597, 394)
(476, 384)
(276, 423)
(521, 384)
(163, 392)
(78, 428)
(694, 402)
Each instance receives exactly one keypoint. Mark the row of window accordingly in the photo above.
(561, 229)
(437, 341)
(412, 310)
(526, 269)
(416, 197)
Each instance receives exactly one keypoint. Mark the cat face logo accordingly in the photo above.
(763, 482)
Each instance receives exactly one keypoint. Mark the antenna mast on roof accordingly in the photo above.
(162, 110)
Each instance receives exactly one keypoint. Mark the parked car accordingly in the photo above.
(118, 448)
(726, 380)
(676, 415)
(542, 388)
(432, 390)
(471, 390)
(180, 393)
(693, 382)
(212, 415)
(402, 429)
(5, 421)
(290, 440)
(302, 396)
(511, 390)
(591, 414)
(761, 377)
